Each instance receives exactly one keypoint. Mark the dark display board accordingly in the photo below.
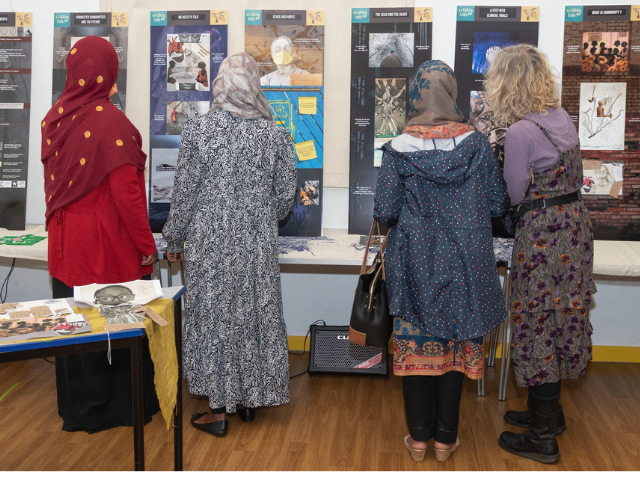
(387, 45)
(601, 93)
(481, 32)
(187, 48)
(71, 27)
(15, 106)
(288, 46)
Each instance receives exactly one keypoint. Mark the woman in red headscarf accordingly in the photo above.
(97, 221)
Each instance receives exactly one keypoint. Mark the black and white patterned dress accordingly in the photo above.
(234, 179)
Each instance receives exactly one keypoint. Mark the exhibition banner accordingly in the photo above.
(481, 32)
(288, 46)
(601, 93)
(187, 48)
(71, 27)
(387, 45)
(16, 31)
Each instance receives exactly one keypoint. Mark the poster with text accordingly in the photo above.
(71, 27)
(387, 45)
(16, 31)
(601, 93)
(187, 48)
(288, 46)
(481, 32)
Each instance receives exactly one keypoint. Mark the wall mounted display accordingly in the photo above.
(601, 93)
(16, 31)
(481, 32)
(187, 48)
(288, 46)
(71, 27)
(387, 45)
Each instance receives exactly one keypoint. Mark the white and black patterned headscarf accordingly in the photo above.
(237, 90)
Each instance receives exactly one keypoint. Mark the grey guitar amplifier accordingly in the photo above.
(331, 352)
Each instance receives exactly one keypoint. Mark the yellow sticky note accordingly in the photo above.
(306, 150)
(307, 105)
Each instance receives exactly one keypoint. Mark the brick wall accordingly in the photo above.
(613, 218)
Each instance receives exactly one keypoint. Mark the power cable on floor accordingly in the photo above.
(304, 348)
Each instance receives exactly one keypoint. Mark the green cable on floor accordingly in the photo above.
(8, 391)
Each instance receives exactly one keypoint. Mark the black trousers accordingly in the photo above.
(95, 395)
(432, 406)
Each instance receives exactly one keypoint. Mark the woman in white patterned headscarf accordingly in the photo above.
(235, 178)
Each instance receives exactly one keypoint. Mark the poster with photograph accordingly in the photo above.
(40, 319)
(16, 30)
(122, 304)
(139, 292)
(481, 32)
(602, 178)
(187, 48)
(387, 45)
(288, 46)
(601, 93)
(71, 27)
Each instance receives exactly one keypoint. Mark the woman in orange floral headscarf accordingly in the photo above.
(96, 218)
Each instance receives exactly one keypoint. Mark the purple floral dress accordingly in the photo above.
(552, 281)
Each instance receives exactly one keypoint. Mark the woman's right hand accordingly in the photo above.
(174, 257)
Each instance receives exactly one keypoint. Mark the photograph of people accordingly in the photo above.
(235, 178)
(438, 186)
(552, 262)
(282, 54)
(98, 227)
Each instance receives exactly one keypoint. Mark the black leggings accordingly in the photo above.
(432, 406)
(546, 390)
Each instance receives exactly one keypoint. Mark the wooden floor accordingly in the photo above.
(332, 423)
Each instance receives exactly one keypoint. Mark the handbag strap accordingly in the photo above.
(383, 245)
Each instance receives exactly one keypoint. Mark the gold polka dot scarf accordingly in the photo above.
(84, 136)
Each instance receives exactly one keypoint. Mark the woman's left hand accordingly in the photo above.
(174, 257)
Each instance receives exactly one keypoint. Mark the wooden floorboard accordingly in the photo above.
(333, 423)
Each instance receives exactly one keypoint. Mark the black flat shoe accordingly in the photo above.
(247, 414)
(219, 428)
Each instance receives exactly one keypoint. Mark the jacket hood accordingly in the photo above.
(443, 167)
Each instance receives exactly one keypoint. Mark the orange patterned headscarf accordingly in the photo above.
(433, 112)
(84, 136)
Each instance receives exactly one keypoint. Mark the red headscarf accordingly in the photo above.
(84, 136)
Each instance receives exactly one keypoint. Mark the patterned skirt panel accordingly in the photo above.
(550, 346)
(415, 352)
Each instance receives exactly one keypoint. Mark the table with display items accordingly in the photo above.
(100, 340)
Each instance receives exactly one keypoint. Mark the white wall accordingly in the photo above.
(307, 297)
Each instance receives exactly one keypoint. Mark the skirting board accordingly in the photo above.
(601, 353)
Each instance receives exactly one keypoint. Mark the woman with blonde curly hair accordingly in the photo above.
(553, 248)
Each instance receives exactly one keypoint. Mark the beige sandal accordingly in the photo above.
(416, 454)
(442, 454)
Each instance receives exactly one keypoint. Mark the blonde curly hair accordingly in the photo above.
(520, 81)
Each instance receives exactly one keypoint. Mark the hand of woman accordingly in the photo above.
(149, 259)
(174, 257)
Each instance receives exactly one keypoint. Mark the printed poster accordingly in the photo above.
(288, 46)
(71, 27)
(601, 93)
(481, 32)
(387, 45)
(40, 319)
(16, 30)
(187, 48)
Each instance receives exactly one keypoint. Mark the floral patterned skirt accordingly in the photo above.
(415, 352)
(551, 345)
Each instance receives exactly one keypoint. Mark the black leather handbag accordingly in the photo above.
(370, 323)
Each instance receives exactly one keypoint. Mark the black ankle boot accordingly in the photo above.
(521, 418)
(539, 441)
(247, 414)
